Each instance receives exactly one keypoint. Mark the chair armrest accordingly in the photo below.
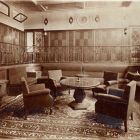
(123, 81)
(110, 98)
(38, 93)
(112, 82)
(36, 87)
(63, 77)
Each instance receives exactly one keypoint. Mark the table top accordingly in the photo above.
(83, 83)
(81, 75)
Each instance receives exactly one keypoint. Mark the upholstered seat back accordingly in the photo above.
(25, 88)
(15, 74)
(55, 75)
(108, 76)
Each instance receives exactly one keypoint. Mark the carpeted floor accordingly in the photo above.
(64, 123)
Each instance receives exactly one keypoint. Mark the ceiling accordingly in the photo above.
(46, 5)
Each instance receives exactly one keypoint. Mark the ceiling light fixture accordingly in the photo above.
(70, 20)
(97, 18)
(125, 31)
(45, 33)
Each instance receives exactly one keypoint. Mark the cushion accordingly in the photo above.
(101, 86)
(112, 82)
(116, 92)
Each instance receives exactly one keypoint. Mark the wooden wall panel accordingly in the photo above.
(100, 45)
(90, 46)
(135, 43)
(93, 46)
(12, 45)
(58, 38)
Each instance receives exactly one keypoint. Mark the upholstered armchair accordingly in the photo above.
(54, 77)
(117, 103)
(109, 78)
(35, 96)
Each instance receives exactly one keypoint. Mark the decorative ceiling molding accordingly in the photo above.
(46, 5)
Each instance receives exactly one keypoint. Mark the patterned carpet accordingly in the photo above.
(64, 123)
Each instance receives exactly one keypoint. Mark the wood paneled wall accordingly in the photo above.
(101, 45)
(12, 45)
(89, 46)
(135, 42)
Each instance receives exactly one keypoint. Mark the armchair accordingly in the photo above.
(109, 78)
(117, 103)
(35, 96)
(54, 77)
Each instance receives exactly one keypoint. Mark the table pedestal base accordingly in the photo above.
(78, 106)
(78, 103)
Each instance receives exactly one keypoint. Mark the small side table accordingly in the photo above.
(3, 87)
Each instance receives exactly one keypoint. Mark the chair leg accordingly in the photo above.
(25, 114)
(51, 111)
(132, 116)
(69, 90)
(125, 125)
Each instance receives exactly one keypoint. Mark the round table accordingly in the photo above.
(79, 84)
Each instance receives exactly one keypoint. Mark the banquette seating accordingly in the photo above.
(125, 72)
(69, 69)
(94, 70)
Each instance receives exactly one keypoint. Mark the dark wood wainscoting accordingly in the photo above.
(88, 46)
(12, 45)
(91, 46)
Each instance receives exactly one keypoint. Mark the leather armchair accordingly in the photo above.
(35, 96)
(109, 79)
(117, 103)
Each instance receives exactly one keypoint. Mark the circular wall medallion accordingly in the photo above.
(82, 20)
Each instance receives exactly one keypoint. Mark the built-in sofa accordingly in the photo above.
(13, 73)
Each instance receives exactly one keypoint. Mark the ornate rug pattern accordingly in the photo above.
(64, 123)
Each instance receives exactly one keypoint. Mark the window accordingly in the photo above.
(4, 8)
(30, 47)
